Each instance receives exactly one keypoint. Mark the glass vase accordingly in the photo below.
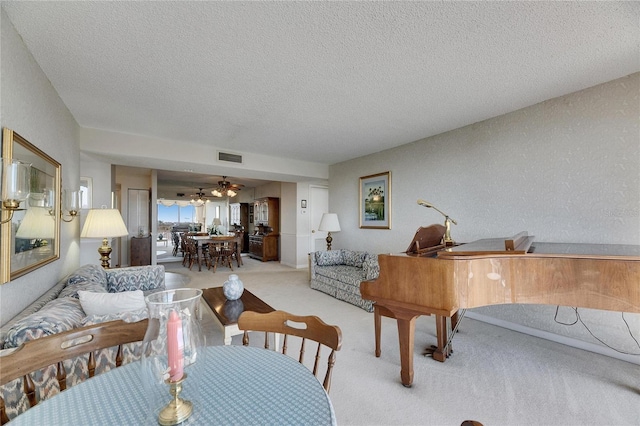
(171, 351)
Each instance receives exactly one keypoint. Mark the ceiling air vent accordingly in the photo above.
(232, 158)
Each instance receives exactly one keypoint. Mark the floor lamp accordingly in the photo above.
(329, 223)
(105, 224)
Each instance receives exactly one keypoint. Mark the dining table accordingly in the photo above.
(239, 385)
(222, 239)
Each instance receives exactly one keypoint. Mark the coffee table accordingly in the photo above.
(226, 312)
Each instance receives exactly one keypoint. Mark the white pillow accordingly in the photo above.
(111, 303)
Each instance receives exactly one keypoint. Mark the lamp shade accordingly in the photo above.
(217, 221)
(104, 223)
(37, 223)
(329, 223)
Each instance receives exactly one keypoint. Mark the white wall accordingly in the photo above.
(32, 108)
(100, 174)
(565, 170)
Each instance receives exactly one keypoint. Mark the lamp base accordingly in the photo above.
(105, 252)
(329, 239)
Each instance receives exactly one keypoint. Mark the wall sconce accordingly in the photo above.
(16, 184)
(72, 202)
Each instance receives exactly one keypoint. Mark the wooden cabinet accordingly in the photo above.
(264, 244)
(239, 214)
(264, 247)
(266, 212)
(140, 251)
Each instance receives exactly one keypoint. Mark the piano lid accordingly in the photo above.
(522, 244)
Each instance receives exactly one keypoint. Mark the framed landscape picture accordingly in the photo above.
(375, 201)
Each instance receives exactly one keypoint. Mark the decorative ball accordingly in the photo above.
(233, 288)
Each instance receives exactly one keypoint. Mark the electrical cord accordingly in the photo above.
(579, 319)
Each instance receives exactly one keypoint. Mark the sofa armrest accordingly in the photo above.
(370, 267)
(313, 264)
(145, 278)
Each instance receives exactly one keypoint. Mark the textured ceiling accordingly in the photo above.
(319, 81)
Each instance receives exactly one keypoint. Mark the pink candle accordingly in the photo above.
(174, 347)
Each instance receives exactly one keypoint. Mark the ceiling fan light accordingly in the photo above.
(231, 193)
(216, 193)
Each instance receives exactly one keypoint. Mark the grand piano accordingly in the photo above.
(440, 280)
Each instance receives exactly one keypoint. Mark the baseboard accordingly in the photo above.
(569, 341)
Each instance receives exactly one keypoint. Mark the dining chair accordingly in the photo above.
(214, 255)
(236, 252)
(225, 254)
(306, 327)
(40, 353)
(191, 255)
(175, 238)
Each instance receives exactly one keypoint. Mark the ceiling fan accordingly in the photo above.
(199, 196)
(226, 188)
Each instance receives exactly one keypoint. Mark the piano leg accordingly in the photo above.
(406, 333)
(376, 325)
(378, 313)
(443, 350)
(441, 353)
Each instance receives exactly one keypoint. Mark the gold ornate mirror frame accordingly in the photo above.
(24, 249)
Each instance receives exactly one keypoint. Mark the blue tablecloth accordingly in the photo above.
(235, 385)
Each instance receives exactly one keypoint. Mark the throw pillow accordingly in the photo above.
(89, 272)
(128, 316)
(71, 290)
(329, 258)
(353, 258)
(111, 303)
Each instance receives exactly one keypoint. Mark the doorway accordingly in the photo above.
(319, 204)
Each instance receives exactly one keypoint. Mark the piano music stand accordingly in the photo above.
(427, 240)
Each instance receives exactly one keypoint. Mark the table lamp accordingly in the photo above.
(329, 223)
(105, 224)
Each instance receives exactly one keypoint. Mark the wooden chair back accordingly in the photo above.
(191, 255)
(54, 349)
(305, 327)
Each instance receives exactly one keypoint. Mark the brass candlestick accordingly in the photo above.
(178, 409)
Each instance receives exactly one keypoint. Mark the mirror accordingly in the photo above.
(31, 238)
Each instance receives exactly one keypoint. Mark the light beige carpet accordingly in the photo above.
(495, 376)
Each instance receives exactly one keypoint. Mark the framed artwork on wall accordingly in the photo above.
(250, 218)
(86, 186)
(375, 201)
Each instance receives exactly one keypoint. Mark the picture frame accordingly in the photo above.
(86, 187)
(250, 218)
(30, 236)
(375, 201)
(303, 204)
(251, 209)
